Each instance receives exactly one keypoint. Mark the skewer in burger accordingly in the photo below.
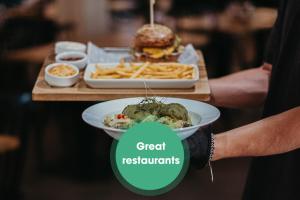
(156, 43)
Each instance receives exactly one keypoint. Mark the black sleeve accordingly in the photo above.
(200, 145)
(274, 39)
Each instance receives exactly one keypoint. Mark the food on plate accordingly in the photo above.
(62, 70)
(157, 43)
(173, 115)
(145, 71)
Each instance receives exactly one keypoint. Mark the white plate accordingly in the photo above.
(201, 114)
(136, 83)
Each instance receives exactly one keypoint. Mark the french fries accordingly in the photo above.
(145, 71)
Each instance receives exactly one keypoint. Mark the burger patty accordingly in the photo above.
(157, 36)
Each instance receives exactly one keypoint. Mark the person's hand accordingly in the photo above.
(201, 147)
(267, 67)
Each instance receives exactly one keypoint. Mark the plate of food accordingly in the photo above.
(141, 75)
(184, 116)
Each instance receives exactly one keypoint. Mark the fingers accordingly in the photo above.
(267, 67)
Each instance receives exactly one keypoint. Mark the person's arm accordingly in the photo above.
(273, 135)
(243, 89)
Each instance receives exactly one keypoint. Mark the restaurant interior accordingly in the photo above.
(48, 152)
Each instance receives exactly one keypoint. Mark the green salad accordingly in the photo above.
(173, 115)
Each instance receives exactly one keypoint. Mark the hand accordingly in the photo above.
(200, 146)
(267, 67)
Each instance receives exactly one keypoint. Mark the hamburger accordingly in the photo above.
(156, 43)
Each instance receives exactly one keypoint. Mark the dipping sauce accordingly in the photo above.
(70, 59)
(62, 71)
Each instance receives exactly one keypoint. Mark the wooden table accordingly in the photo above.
(81, 92)
(261, 18)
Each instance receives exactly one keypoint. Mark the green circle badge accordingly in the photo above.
(149, 159)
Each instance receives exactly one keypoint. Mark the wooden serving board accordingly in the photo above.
(81, 92)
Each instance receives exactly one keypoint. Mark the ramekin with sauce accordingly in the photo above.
(61, 74)
(78, 59)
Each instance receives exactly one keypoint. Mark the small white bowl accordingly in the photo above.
(58, 81)
(67, 46)
(81, 63)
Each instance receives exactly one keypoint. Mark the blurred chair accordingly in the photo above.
(26, 38)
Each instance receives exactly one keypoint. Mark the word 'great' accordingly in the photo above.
(151, 147)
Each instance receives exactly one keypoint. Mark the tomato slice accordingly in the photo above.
(120, 116)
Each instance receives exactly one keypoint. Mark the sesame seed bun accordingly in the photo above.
(156, 36)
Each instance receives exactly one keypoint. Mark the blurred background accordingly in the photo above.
(47, 152)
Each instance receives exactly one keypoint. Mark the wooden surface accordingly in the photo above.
(226, 22)
(81, 92)
(32, 55)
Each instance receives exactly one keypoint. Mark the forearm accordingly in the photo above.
(274, 135)
(243, 89)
